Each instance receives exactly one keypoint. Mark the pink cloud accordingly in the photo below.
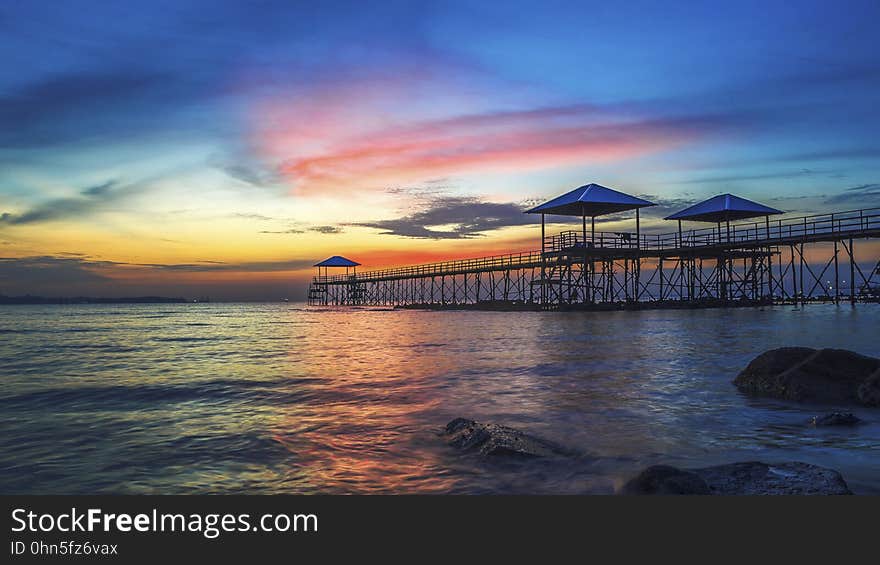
(367, 136)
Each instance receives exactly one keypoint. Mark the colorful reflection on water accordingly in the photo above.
(266, 398)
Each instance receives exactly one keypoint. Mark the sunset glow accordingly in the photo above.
(231, 159)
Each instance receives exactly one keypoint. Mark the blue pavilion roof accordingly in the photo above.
(590, 200)
(724, 207)
(337, 261)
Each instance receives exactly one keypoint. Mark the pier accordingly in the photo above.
(735, 261)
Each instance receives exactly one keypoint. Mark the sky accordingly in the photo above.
(219, 149)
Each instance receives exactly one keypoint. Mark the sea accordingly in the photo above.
(284, 398)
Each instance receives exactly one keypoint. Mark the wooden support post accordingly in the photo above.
(584, 226)
(465, 288)
(852, 274)
(637, 264)
(836, 275)
(781, 278)
(803, 263)
(593, 263)
(584, 264)
(660, 268)
(769, 258)
(638, 231)
(543, 267)
(692, 288)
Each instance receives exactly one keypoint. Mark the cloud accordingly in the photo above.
(664, 206)
(217, 266)
(348, 139)
(251, 216)
(868, 152)
(27, 272)
(293, 228)
(327, 229)
(507, 141)
(89, 201)
(249, 175)
(863, 195)
(63, 108)
(80, 268)
(425, 191)
(864, 187)
(100, 189)
(246, 170)
(756, 176)
(78, 275)
(57, 94)
(452, 217)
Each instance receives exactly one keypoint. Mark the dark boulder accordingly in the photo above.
(753, 477)
(804, 374)
(748, 478)
(836, 419)
(663, 479)
(869, 390)
(496, 440)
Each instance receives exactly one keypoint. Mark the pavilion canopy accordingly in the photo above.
(337, 261)
(590, 200)
(723, 208)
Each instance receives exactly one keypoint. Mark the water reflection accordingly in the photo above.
(280, 398)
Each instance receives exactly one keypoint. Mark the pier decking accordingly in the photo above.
(726, 264)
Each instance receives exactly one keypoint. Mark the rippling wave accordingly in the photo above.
(259, 398)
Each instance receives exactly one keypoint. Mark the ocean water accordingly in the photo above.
(280, 398)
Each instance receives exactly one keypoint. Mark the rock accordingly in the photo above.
(836, 419)
(493, 439)
(804, 374)
(753, 477)
(869, 391)
(663, 479)
(750, 478)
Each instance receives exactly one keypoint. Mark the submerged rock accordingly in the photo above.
(836, 419)
(783, 478)
(869, 391)
(819, 375)
(663, 479)
(494, 439)
(751, 477)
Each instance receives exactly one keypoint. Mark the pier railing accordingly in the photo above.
(754, 233)
(480, 264)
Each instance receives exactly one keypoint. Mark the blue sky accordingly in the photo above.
(221, 147)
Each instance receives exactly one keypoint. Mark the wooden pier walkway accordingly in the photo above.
(744, 262)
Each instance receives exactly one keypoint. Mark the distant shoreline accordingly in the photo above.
(27, 299)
